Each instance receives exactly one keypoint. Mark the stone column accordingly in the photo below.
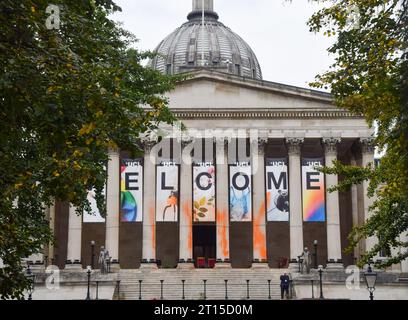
(222, 205)
(368, 148)
(49, 248)
(333, 207)
(259, 213)
(354, 208)
(295, 200)
(404, 263)
(112, 208)
(186, 205)
(74, 240)
(149, 207)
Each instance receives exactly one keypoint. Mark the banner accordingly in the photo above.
(204, 192)
(131, 195)
(96, 215)
(240, 186)
(167, 192)
(277, 189)
(313, 190)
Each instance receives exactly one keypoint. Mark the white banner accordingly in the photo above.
(277, 189)
(240, 186)
(167, 192)
(131, 194)
(204, 192)
(96, 215)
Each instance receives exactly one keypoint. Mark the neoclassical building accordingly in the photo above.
(239, 188)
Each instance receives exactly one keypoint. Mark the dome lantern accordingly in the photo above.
(209, 45)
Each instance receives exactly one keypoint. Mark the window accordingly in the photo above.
(238, 69)
(168, 69)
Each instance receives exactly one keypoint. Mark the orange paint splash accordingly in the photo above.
(222, 221)
(259, 237)
(188, 218)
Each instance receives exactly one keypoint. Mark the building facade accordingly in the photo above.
(240, 187)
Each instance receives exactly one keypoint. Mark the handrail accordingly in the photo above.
(205, 287)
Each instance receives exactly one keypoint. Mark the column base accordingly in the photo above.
(114, 267)
(260, 264)
(148, 266)
(334, 266)
(38, 267)
(185, 265)
(222, 265)
(73, 266)
(294, 267)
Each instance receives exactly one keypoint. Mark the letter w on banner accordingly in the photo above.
(240, 192)
(313, 190)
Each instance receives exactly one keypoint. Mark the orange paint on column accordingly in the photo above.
(222, 232)
(188, 218)
(259, 237)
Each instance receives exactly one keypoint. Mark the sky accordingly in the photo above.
(276, 30)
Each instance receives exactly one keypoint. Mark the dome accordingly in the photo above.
(213, 46)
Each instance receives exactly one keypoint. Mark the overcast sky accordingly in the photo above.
(275, 29)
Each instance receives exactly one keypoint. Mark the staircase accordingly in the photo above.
(194, 285)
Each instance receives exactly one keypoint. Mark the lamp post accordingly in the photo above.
(31, 278)
(315, 253)
(92, 253)
(320, 270)
(88, 272)
(370, 277)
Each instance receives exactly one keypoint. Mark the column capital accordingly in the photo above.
(185, 141)
(294, 145)
(262, 142)
(367, 145)
(113, 151)
(330, 145)
(224, 140)
(147, 145)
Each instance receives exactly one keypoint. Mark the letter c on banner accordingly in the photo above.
(198, 178)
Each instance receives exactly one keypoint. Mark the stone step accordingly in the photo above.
(194, 285)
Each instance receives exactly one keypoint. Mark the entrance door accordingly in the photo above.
(204, 245)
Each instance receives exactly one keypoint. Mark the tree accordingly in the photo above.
(370, 78)
(69, 92)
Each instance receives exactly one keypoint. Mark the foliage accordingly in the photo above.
(67, 96)
(370, 77)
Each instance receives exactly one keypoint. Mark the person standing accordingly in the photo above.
(284, 284)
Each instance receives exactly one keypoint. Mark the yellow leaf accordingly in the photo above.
(32, 9)
(202, 201)
(18, 185)
(86, 129)
(89, 141)
(55, 174)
